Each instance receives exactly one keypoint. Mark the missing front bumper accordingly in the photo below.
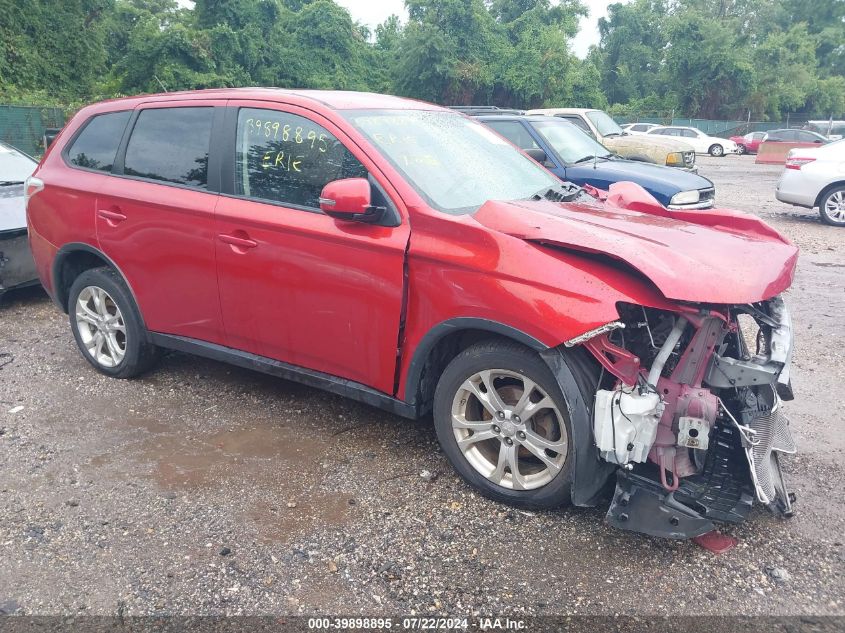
(17, 267)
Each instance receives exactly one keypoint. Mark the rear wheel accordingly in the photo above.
(716, 150)
(107, 325)
(502, 421)
(832, 207)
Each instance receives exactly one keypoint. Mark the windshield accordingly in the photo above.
(604, 124)
(570, 143)
(455, 163)
(14, 166)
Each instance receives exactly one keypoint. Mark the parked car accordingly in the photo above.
(813, 177)
(409, 257)
(703, 143)
(17, 269)
(748, 144)
(639, 128)
(795, 136)
(599, 125)
(576, 157)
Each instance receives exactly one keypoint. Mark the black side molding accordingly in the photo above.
(327, 382)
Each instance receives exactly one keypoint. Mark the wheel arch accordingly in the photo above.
(826, 189)
(442, 343)
(71, 261)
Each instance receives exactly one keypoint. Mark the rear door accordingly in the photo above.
(155, 220)
(295, 284)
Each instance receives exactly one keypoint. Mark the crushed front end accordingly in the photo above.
(688, 408)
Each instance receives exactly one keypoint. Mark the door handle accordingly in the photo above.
(240, 242)
(112, 217)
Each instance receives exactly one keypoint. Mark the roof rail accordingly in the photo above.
(485, 109)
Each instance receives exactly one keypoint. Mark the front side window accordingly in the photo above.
(171, 145)
(96, 145)
(456, 164)
(288, 159)
(689, 133)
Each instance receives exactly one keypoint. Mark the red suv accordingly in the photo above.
(406, 256)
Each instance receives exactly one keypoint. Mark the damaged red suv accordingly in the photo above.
(406, 256)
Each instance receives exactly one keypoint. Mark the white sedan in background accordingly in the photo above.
(639, 128)
(815, 177)
(703, 144)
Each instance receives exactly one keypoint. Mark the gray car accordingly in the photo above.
(17, 267)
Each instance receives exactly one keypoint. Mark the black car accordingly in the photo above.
(576, 157)
(17, 267)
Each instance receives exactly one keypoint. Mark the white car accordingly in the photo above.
(815, 177)
(703, 144)
(639, 128)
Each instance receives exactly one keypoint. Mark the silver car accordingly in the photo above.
(17, 267)
(815, 177)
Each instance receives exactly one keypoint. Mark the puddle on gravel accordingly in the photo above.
(312, 509)
(254, 454)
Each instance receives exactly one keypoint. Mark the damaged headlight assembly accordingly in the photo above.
(688, 408)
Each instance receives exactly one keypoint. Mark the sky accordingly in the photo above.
(373, 12)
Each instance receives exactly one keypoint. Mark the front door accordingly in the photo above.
(295, 284)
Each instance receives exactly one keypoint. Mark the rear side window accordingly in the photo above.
(286, 158)
(96, 145)
(171, 145)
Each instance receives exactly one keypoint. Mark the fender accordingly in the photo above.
(450, 326)
(75, 247)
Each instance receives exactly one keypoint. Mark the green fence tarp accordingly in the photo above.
(23, 126)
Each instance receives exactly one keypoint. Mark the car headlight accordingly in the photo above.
(675, 159)
(686, 197)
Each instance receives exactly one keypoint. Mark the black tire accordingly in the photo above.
(716, 150)
(502, 355)
(139, 355)
(829, 197)
(740, 150)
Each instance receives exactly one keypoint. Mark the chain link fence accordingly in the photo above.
(23, 127)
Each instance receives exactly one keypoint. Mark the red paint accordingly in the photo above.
(750, 146)
(329, 294)
(350, 196)
(716, 542)
(619, 362)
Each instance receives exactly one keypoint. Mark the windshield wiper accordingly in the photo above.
(564, 192)
(8, 183)
(613, 134)
(586, 158)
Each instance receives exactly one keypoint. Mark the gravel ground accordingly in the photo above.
(206, 489)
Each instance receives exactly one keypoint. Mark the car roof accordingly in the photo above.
(520, 117)
(556, 111)
(333, 99)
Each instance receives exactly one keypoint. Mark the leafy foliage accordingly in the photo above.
(712, 58)
(725, 58)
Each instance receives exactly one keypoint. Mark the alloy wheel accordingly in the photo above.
(834, 206)
(101, 326)
(509, 429)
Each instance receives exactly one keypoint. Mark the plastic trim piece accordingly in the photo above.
(310, 377)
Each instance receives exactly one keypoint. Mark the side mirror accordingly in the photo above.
(350, 199)
(536, 154)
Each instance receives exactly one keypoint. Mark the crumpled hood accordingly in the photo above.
(716, 256)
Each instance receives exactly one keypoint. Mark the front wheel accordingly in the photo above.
(740, 149)
(502, 421)
(832, 207)
(107, 325)
(716, 150)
